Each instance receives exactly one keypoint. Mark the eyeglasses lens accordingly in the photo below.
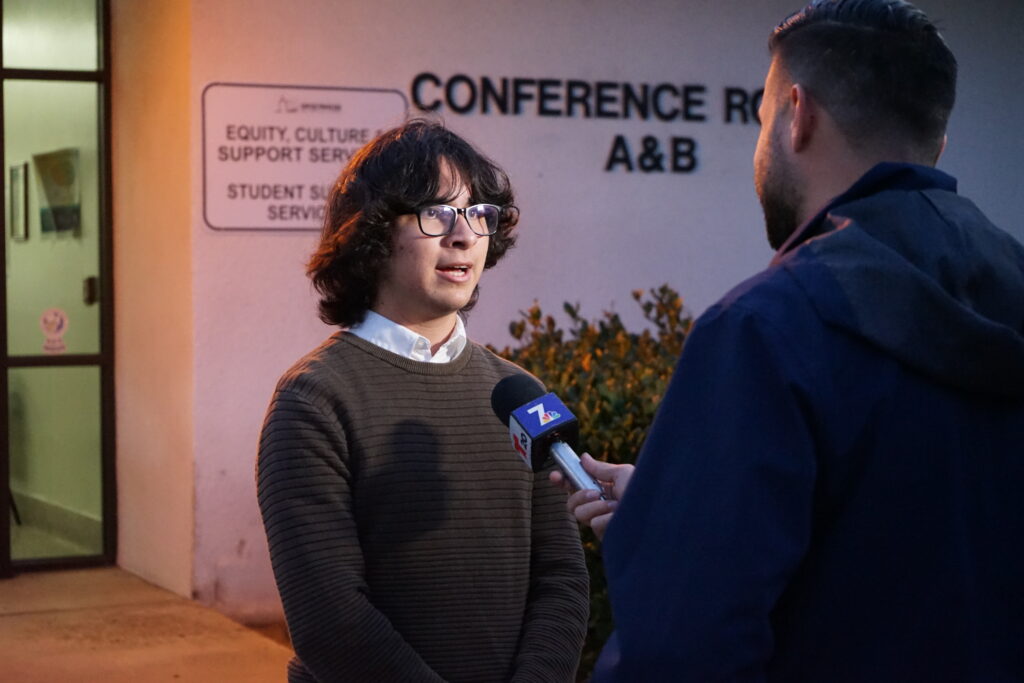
(483, 218)
(439, 219)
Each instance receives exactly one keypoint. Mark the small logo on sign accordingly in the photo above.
(286, 105)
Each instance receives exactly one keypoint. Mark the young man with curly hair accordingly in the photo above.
(409, 542)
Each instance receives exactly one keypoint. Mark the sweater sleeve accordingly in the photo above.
(718, 513)
(559, 599)
(304, 490)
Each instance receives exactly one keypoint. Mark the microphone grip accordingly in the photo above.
(571, 467)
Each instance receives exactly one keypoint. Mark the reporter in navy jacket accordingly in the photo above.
(833, 488)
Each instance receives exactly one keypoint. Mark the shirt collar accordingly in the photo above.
(391, 336)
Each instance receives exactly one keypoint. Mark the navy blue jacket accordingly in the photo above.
(833, 488)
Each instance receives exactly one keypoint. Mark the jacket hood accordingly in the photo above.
(919, 272)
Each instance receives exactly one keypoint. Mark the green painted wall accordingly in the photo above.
(55, 437)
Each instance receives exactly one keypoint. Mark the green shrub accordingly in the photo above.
(612, 379)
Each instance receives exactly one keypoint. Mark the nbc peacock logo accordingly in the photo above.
(544, 416)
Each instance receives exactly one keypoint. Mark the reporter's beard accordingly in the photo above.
(780, 217)
(775, 181)
(781, 199)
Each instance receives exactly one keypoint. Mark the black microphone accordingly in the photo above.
(540, 425)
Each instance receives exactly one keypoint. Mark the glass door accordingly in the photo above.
(56, 386)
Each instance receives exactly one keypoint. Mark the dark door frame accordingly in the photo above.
(104, 360)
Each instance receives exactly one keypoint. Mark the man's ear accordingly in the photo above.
(804, 117)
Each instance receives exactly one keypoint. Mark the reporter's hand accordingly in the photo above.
(587, 506)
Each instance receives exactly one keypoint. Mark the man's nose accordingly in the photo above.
(462, 234)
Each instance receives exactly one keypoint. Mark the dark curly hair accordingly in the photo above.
(880, 68)
(396, 173)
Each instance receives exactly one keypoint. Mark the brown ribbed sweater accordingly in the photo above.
(409, 541)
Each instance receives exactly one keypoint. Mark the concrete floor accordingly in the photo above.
(106, 625)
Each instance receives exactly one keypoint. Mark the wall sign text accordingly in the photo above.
(272, 152)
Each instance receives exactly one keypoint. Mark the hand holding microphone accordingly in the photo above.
(586, 506)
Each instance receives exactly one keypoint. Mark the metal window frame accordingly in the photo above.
(104, 360)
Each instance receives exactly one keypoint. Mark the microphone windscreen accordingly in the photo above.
(512, 392)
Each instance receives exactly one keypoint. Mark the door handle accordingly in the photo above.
(90, 290)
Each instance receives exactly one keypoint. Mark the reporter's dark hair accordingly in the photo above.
(879, 67)
(394, 174)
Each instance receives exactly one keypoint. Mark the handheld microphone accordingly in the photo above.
(540, 425)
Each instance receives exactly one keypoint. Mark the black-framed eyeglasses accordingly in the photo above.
(438, 220)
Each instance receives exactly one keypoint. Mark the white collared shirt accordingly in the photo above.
(393, 337)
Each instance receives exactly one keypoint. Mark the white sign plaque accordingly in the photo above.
(272, 152)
